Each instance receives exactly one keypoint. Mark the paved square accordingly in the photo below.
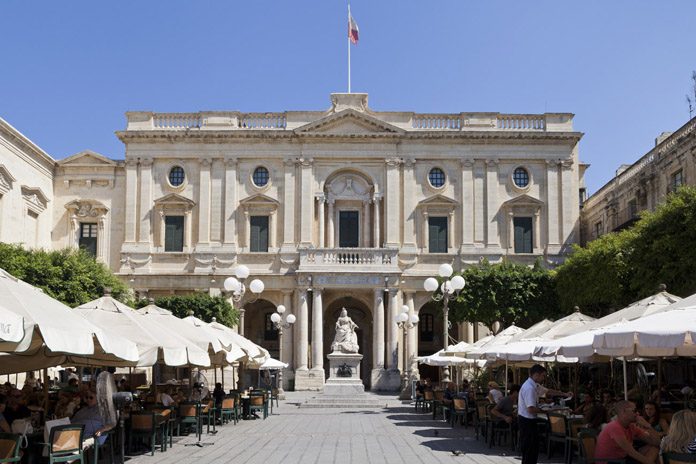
(395, 434)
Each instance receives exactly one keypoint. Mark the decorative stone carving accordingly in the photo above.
(345, 340)
(6, 180)
(35, 199)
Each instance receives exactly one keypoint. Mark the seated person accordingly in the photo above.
(90, 417)
(682, 435)
(584, 407)
(420, 389)
(494, 393)
(73, 386)
(4, 425)
(218, 395)
(66, 405)
(16, 407)
(608, 402)
(651, 413)
(165, 399)
(616, 439)
(504, 411)
(450, 393)
(596, 417)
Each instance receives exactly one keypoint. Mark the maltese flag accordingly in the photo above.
(352, 29)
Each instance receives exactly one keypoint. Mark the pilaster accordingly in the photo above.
(289, 206)
(307, 207)
(392, 210)
(145, 201)
(230, 219)
(204, 203)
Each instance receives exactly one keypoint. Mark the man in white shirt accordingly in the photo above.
(527, 410)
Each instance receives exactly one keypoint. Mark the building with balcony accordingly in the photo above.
(346, 207)
(643, 185)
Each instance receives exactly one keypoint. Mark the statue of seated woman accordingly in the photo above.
(345, 340)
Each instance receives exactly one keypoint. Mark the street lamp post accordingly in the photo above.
(406, 323)
(279, 324)
(235, 286)
(448, 289)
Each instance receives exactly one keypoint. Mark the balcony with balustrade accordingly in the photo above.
(354, 260)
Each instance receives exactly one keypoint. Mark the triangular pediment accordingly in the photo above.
(523, 200)
(259, 200)
(174, 199)
(87, 158)
(437, 200)
(349, 122)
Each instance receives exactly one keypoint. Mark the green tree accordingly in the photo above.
(664, 248)
(204, 307)
(596, 278)
(508, 293)
(73, 277)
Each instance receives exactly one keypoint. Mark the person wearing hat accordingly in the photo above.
(494, 393)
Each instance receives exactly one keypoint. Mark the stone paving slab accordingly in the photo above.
(394, 434)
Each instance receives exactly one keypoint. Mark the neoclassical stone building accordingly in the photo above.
(347, 207)
(642, 185)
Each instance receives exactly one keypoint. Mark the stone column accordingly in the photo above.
(366, 223)
(426, 232)
(188, 231)
(302, 332)
(377, 233)
(412, 366)
(131, 199)
(288, 334)
(393, 330)
(468, 207)
(247, 231)
(450, 231)
(511, 232)
(536, 231)
(552, 205)
(241, 318)
(272, 226)
(320, 206)
(145, 200)
(204, 203)
(230, 219)
(492, 239)
(317, 331)
(378, 377)
(410, 187)
(330, 224)
(307, 206)
(216, 200)
(471, 337)
(289, 213)
(569, 202)
(479, 202)
(392, 209)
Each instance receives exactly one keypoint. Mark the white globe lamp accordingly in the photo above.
(430, 284)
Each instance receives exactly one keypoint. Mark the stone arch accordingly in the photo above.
(429, 334)
(361, 314)
(255, 328)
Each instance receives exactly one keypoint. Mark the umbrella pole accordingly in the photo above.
(659, 377)
(506, 376)
(222, 377)
(625, 379)
(45, 388)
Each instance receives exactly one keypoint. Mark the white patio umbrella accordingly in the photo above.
(499, 339)
(271, 364)
(256, 354)
(151, 338)
(50, 333)
(521, 347)
(440, 359)
(580, 345)
(232, 351)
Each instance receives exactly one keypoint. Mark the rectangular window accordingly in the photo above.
(174, 233)
(523, 234)
(677, 180)
(31, 230)
(348, 229)
(437, 234)
(88, 238)
(426, 328)
(270, 333)
(598, 229)
(259, 233)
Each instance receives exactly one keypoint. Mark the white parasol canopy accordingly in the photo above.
(580, 345)
(150, 337)
(39, 331)
(499, 339)
(440, 359)
(232, 351)
(255, 353)
(272, 364)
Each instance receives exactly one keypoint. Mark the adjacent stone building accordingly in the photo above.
(642, 185)
(346, 207)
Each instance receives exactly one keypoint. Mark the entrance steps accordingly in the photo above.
(363, 401)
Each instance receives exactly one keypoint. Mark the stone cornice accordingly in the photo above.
(37, 156)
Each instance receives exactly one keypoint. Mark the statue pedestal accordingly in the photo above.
(344, 378)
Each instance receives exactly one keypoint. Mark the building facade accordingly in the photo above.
(347, 207)
(643, 185)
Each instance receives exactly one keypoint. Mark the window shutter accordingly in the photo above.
(523, 234)
(174, 233)
(437, 234)
(259, 233)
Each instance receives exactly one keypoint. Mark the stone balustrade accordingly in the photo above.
(521, 122)
(479, 121)
(345, 258)
(262, 121)
(176, 120)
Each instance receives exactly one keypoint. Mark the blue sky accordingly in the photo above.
(70, 69)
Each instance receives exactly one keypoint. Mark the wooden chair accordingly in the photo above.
(258, 403)
(9, 447)
(574, 427)
(678, 458)
(500, 429)
(65, 443)
(587, 440)
(482, 418)
(428, 400)
(166, 418)
(229, 410)
(144, 424)
(190, 415)
(458, 410)
(438, 405)
(208, 413)
(558, 427)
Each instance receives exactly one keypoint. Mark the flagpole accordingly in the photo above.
(348, 37)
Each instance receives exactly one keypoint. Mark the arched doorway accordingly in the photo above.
(362, 316)
(430, 336)
(258, 326)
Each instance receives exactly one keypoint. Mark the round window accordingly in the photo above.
(520, 177)
(436, 177)
(177, 176)
(260, 176)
